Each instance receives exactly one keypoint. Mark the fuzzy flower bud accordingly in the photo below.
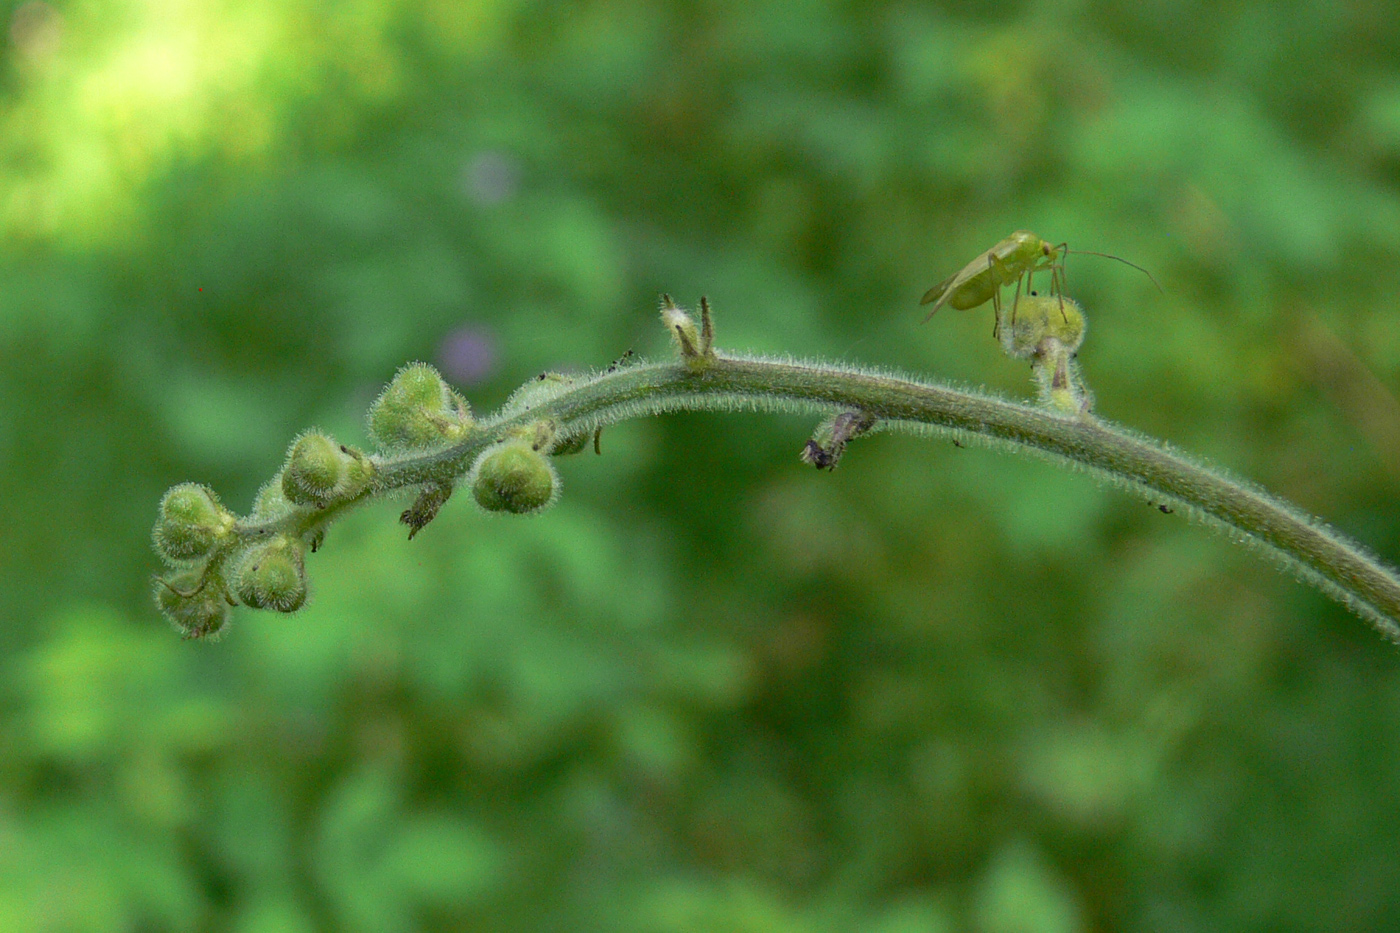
(1039, 319)
(418, 410)
(270, 502)
(318, 470)
(191, 522)
(272, 576)
(198, 608)
(513, 476)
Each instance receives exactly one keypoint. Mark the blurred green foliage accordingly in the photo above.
(714, 690)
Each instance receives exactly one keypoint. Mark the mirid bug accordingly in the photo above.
(1013, 259)
(981, 280)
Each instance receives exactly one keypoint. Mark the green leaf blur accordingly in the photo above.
(713, 689)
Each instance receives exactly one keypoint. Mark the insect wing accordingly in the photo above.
(944, 291)
(1011, 261)
(940, 292)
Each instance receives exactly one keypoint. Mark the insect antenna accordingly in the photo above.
(1125, 262)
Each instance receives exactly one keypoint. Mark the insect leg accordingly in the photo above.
(1000, 275)
(1016, 300)
(1057, 276)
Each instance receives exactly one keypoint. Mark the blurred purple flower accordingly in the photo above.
(36, 29)
(467, 355)
(491, 177)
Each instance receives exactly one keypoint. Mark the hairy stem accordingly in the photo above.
(1340, 568)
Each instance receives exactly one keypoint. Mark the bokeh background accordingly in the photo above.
(713, 690)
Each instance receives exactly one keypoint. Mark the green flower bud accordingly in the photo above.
(314, 469)
(1039, 318)
(198, 607)
(269, 502)
(513, 476)
(318, 470)
(418, 410)
(272, 576)
(191, 522)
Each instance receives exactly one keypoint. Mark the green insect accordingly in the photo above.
(1021, 254)
(1014, 259)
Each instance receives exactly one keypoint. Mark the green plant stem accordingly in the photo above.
(1340, 568)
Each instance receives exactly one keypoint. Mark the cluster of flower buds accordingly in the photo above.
(420, 411)
(218, 560)
(191, 528)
